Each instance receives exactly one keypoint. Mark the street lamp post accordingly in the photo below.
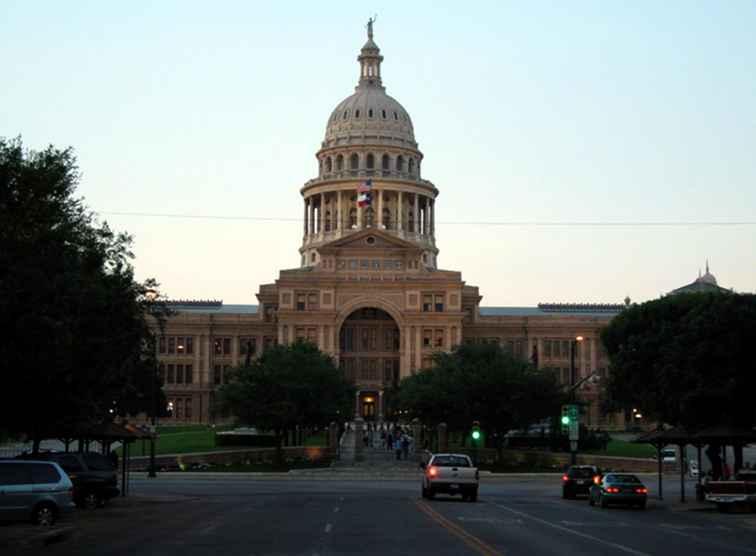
(151, 296)
(573, 387)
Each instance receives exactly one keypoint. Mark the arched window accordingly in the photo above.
(340, 162)
(383, 114)
(370, 113)
(346, 113)
(352, 218)
(395, 116)
(357, 114)
(387, 218)
(400, 164)
(370, 161)
(386, 162)
(411, 221)
(412, 166)
(328, 221)
(354, 162)
(328, 164)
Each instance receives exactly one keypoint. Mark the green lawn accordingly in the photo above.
(185, 439)
(622, 448)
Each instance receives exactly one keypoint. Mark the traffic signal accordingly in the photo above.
(475, 434)
(565, 420)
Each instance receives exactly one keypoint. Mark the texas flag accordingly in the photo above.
(364, 193)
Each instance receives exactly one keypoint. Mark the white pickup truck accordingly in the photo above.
(450, 474)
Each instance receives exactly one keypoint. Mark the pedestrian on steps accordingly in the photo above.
(398, 447)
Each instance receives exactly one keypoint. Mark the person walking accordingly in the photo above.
(398, 447)
(405, 446)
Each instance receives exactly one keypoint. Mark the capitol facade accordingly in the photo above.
(369, 290)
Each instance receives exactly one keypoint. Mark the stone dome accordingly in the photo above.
(369, 115)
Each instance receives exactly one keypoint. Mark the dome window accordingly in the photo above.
(383, 114)
(340, 162)
(328, 165)
(370, 161)
(370, 113)
(396, 116)
(346, 113)
(354, 162)
(356, 114)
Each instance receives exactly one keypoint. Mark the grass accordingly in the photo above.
(185, 439)
(622, 448)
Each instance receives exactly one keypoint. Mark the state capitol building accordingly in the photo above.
(368, 290)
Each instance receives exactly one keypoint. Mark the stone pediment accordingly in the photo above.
(366, 240)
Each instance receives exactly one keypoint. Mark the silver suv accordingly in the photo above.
(36, 490)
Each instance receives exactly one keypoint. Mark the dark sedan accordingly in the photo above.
(618, 488)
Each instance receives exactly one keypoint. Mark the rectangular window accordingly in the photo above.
(217, 374)
(388, 370)
(427, 337)
(179, 374)
(161, 344)
(226, 346)
(376, 265)
(439, 303)
(349, 339)
(299, 334)
(365, 339)
(301, 302)
(188, 374)
(364, 264)
(180, 345)
(353, 264)
(188, 408)
(189, 345)
(268, 342)
(217, 347)
(547, 348)
(171, 371)
(427, 303)
(171, 345)
(439, 338)
(247, 345)
(312, 301)
(388, 340)
(179, 408)
(312, 335)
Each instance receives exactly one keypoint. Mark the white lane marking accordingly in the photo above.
(328, 527)
(491, 520)
(573, 532)
(709, 541)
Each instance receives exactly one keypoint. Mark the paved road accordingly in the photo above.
(527, 516)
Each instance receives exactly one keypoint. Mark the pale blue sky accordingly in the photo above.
(528, 111)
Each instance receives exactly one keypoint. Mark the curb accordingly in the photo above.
(38, 540)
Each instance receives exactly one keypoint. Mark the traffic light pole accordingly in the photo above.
(573, 443)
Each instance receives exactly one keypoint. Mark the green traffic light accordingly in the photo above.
(565, 420)
(476, 435)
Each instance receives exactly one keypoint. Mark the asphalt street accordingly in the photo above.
(515, 516)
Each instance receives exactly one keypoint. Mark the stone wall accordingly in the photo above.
(251, 455)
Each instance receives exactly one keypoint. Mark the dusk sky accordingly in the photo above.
(584, 151)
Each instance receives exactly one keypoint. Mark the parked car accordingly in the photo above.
(450, 474)
(36, 490)
(618, 488)
(578, 480)
(731, 494)
(94, 476)
(669, 455)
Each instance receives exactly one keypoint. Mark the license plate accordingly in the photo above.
(453, 485)
(581, 482)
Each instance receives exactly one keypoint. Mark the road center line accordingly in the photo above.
(573, 532)
(470, 540)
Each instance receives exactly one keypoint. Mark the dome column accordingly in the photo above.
(399, 226)
(433, 220)
(339, 217)
(380, 210)
(305, 218)
(312, 218)
(416, 208)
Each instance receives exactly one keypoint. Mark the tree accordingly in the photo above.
(686, 359)
(76, 343)
(481, 382)
(287, 386)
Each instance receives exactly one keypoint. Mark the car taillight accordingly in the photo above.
(432, 471)
(613, 490)
(565, 478)
(596, 480)
(642, 490)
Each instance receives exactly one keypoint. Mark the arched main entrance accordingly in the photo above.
(369, 355)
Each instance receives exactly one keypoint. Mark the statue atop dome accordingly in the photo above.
(370, 26)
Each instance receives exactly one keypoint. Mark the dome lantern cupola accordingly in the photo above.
(370, 61)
